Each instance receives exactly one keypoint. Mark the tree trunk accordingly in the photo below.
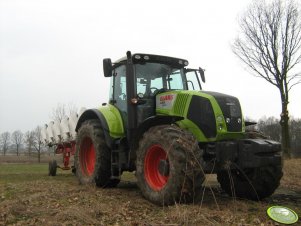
(285, 136)
(39, 153)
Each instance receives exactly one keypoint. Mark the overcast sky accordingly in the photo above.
(51, 52)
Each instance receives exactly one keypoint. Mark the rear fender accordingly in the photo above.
(110, 120)
(153, 121)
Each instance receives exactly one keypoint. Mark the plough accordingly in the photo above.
(61, 135)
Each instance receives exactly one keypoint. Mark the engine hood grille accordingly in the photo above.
(201, 113)
(231, 109)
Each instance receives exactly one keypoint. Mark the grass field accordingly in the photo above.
(28, 196)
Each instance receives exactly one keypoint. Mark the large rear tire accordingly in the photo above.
(169, 165)
(254, 184)
(92, 156)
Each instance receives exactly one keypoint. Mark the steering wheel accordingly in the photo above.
(157, 91)
(140, 95)
(154, 88)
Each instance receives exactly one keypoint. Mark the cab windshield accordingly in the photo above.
(151, 77)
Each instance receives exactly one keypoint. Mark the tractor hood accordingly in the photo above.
(213, 113)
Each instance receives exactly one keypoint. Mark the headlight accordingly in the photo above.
(220, 127)
(219, 118)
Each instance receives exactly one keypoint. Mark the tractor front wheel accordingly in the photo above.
(92, 158)
(254, 184)
(169, 165)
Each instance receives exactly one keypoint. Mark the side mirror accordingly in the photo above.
(202, 73)
(107, 67)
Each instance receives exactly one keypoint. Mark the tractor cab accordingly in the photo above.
(137, 79)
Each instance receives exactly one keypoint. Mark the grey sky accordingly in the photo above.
(51, 52)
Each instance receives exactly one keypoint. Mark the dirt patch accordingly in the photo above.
(60, 200)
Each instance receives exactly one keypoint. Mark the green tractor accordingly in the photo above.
(162, 125)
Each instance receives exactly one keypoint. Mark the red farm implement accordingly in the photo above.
(61, 135)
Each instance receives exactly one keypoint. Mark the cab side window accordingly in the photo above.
(175, 80)
(120, 88)
(192, 81)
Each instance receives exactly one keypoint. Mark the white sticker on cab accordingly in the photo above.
(165, 101)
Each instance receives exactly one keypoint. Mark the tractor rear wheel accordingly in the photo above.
(254, 184)
(169, 165)
(92, 156)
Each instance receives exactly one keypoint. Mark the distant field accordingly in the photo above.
(28, 196)
(45, 158)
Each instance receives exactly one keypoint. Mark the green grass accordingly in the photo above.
(15, 168)
(18, 173)
(15, 176)
(128, 176)
(26, 172)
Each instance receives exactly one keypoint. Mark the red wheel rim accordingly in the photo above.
(151, 167)
(87, 156)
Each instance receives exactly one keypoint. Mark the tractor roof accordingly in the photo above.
(144, 58)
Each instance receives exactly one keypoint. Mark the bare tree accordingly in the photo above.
(38, 141)
(17, 139)
(29, 140)
(61, 110)
(269, 44)
(72, 108)
(5, 141)
(270, 127)
(295, 131)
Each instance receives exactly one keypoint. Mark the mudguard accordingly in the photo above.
(154, 121)
(110, 119)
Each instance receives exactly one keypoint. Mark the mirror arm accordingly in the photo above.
(202, 73)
